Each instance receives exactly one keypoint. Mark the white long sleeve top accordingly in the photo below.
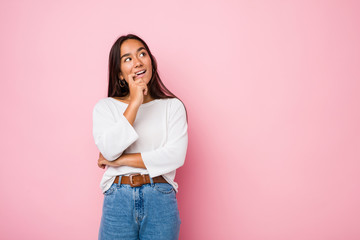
(159, 134)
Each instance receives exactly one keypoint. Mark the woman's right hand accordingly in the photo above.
(137, 88)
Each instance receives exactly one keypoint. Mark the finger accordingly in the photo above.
(139, 80)
(101, 165)
(142, 85)
(144, 88)
(102, 161)
(106, 162)
(131, 77)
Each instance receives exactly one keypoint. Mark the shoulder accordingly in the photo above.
(176, 103)
(176, 107)
(172, 104)
(102, 104)
(167, 102)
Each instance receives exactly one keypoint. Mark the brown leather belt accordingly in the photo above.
(136, 180)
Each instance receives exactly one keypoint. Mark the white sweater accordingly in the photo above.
(159, 133)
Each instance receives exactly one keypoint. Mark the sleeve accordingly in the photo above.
(172, 155)
(111, 137)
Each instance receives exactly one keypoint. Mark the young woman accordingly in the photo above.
(140, 130)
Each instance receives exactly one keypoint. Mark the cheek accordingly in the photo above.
(149, 62)
(125, 70)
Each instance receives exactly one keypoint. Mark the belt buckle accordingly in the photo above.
(132, 184)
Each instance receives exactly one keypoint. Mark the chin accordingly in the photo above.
(147, 80)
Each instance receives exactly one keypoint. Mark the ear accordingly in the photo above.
(120, 76)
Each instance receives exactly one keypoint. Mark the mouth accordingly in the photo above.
(141, 73)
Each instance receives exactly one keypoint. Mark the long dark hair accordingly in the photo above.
(156, 87)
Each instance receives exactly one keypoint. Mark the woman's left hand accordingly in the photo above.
(102, 162)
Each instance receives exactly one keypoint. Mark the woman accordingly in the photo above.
(140, 130)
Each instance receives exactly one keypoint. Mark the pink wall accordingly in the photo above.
(272, 92)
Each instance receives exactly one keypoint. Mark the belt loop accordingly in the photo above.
(119, 183)
(151, 181)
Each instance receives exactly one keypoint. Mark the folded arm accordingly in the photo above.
(127, 159)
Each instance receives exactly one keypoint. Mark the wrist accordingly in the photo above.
(134, 104)
(121, 161)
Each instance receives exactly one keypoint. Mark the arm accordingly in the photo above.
(111, 137)
(172, 154)
(127, 159)
(131, 112)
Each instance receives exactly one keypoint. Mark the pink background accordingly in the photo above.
(272, 93)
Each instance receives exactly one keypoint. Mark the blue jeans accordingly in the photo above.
(146, 212)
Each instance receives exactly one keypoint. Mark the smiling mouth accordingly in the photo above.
(140, 73)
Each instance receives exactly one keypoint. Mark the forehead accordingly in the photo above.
(130, 46)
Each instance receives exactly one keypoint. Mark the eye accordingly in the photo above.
(143, 54)
(126, 59)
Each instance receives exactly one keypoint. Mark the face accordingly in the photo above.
(135, 59)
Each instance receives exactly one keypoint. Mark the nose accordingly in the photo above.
(138, 62)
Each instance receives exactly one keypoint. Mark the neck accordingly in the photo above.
(147, 98)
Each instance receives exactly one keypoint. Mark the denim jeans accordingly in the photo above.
(146, 212)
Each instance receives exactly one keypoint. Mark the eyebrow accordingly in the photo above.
(128, 54)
